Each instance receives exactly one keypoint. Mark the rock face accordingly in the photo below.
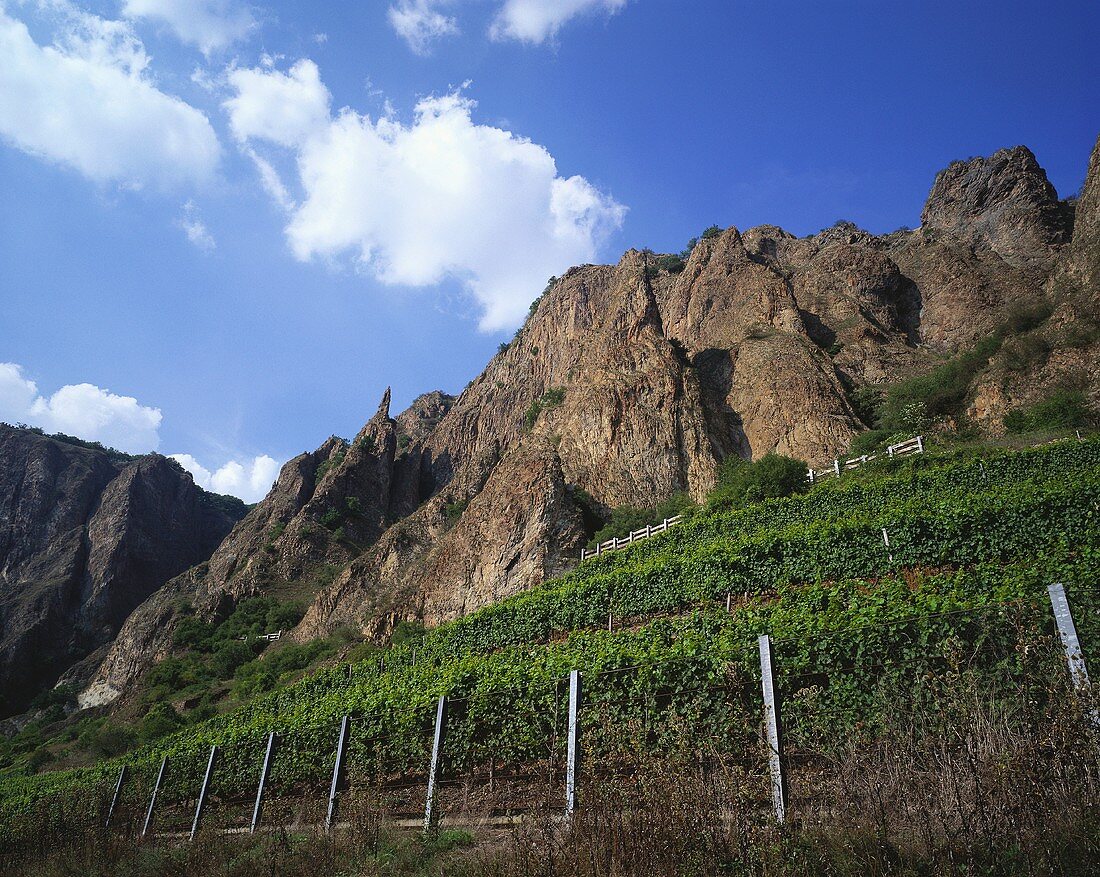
(85, 537)
(1065, 352)
(1004, 202)
(633, 381)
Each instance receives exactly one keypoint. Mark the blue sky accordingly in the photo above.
(227, 227)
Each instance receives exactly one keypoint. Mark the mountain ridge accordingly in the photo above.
(634, 381)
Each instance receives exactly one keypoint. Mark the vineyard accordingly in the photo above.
(665, 636)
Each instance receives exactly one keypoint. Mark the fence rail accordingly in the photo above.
(914, 445)
(645, 532)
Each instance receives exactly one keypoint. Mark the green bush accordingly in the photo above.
(161, 720)
(867, 402)
(741, 482)
(672, 264)
(406, 632)
(624, 520)
(228, 657)
(867, 442)
(712, 231)
(1062, 409)
(454, 510)
(550, 399)
(193, 633)
(939, 393)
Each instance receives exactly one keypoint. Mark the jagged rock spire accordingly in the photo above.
(383, 412)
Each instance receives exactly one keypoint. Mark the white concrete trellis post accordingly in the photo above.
(437, 755)
(204, 791)
(338, 771)
(258, 809)
(153, 797)
(771, 726)
(115, 796)
(886, 541)
(1075, 659)
(571, 743)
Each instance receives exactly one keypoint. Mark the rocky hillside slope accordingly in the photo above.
(87, 535)
(634, 381)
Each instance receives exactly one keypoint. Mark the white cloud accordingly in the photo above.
(249, 480)
(535, 21)
(442, 197)
(285, 108)
(195, 228)
(210, 25)
(82, 410)
(88, 102)
(421, 22)
(17, 393)
(121, 422)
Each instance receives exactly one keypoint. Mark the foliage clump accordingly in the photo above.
(624, 520)
(741, 482)
(550, 399)
(1063, 408)
(673, 264)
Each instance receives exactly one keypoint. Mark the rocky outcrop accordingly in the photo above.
(87, 535)
(1004, 203)
(1064, 353)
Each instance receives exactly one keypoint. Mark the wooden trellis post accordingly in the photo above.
(338, 771)
(258, 809)
(571, 750)
(204, 791)
(153, 797)
(115, 796)
(771, 727)
(433, 767)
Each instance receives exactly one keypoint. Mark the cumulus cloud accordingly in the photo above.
(87, 101)
(442, 197)
(421, 22)
(195, 228)
(285, 108)
(210, 25)
(535, 21)
(82, 410)
(249, 480)
(121, 422)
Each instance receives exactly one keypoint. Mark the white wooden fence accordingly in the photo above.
(901, 449)
(644, 533)
(270, 637)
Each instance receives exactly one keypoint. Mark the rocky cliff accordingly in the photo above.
(86, 536)
(633, 381)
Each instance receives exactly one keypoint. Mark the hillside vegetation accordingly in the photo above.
(975, 538)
